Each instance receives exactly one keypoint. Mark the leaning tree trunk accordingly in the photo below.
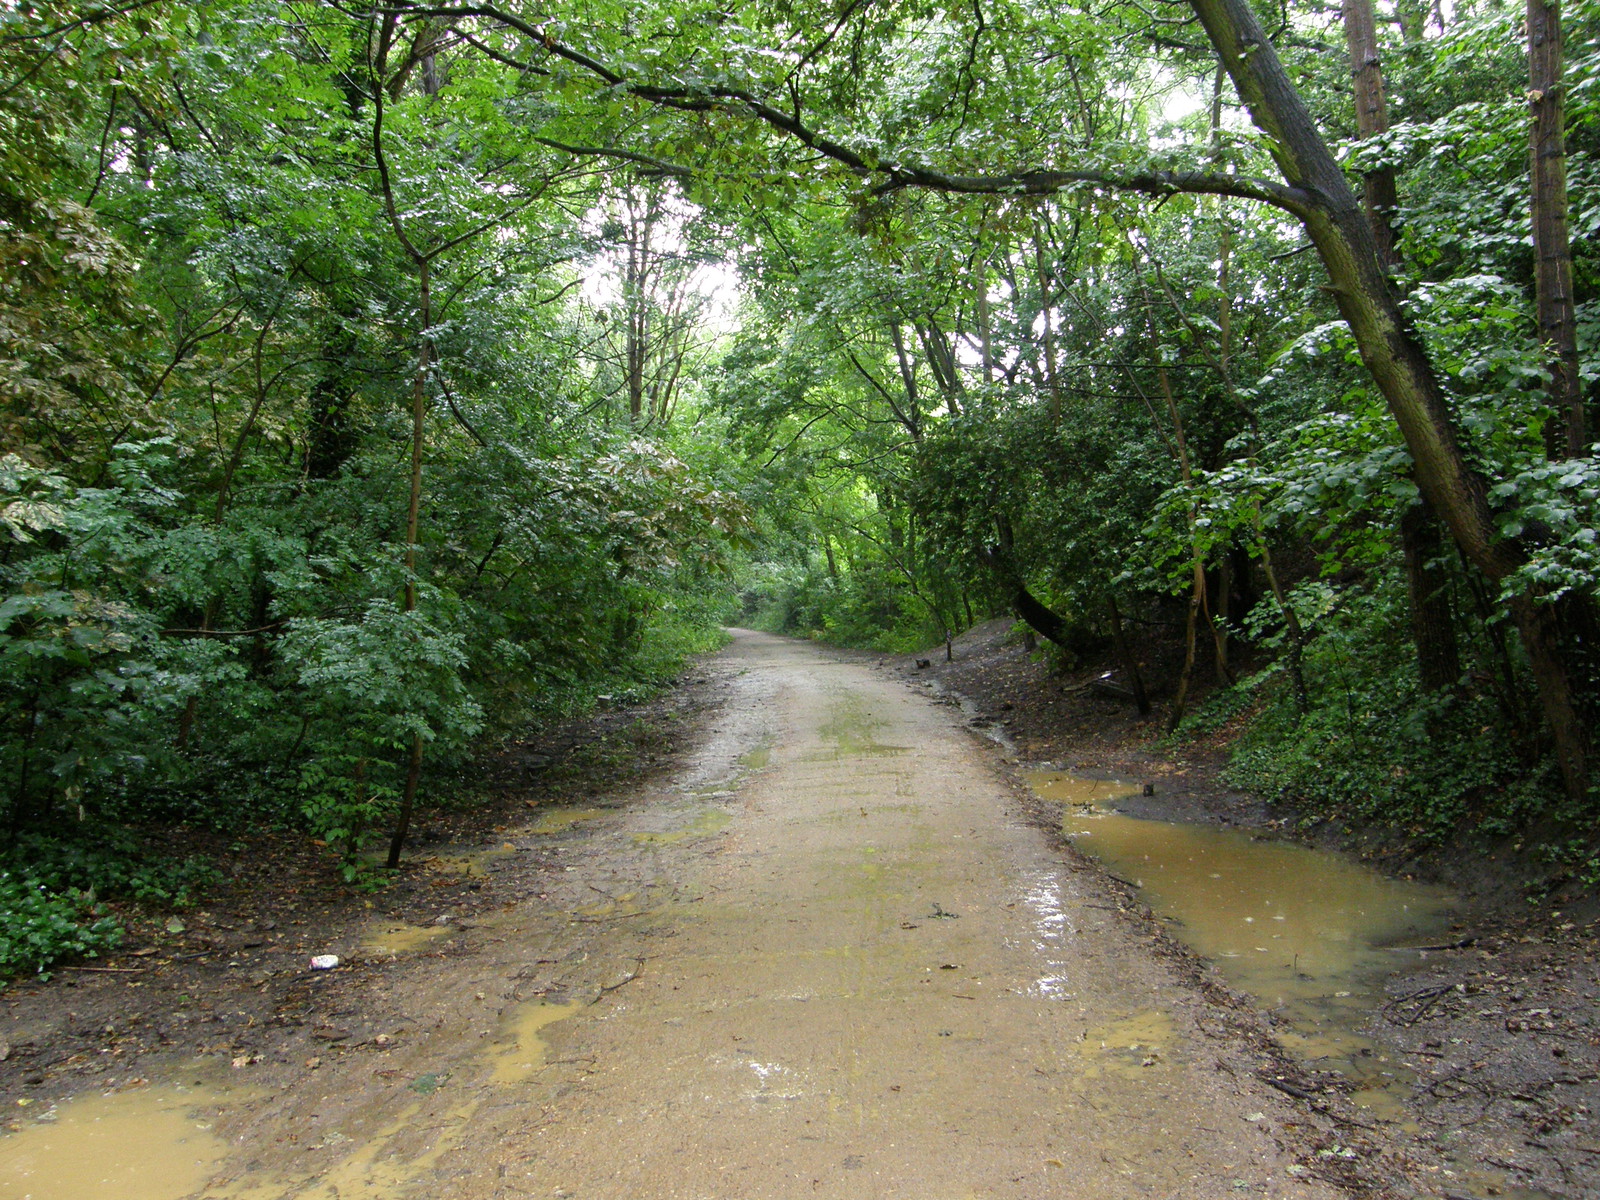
(1334, 220)
(1039, 617)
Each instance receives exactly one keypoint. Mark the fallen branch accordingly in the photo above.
(621, 983)
(1299, 1093)
(108, 970)
(1115, 691)
(1458, 944)
(1425, 1000)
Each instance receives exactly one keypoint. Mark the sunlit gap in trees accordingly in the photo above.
(650, 242)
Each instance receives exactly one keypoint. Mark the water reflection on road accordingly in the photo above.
(1309, 933)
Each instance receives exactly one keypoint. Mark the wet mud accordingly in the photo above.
(1497, 1028)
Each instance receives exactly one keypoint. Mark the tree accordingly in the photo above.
(1314, 190)
(1552, 252)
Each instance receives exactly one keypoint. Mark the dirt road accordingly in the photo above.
(832, 959)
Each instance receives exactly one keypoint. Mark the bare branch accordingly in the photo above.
(660, 165)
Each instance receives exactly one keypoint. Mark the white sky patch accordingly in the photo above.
(715, 283)
(1181, 102)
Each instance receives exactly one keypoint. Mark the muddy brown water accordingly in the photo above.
(150, 1144)
(1308, 933)
(833, 959)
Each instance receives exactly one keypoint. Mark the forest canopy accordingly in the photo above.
(381, 378)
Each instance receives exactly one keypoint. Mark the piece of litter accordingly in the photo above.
(324, 962)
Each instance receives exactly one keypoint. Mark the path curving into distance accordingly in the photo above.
(892, 987)
(830, 958)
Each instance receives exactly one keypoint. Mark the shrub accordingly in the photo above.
(39, 927)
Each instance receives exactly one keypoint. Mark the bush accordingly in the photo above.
(113, 863)
(39, 927)
(1372, 748)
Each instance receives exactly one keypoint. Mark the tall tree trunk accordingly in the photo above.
(419, 415)
(942, 362)
(1291, 622)
(1224, 590)
(908, 374)
(1221, 614)
(419, 401)
(1399, 365)
(1197, 564)
(1372, 118)
(1130, 664)
(1191, 624)
(1199, 605)
(1052, 380)
(1432, 617)
(1433, 625)
(1568, 435)
(985, 323)
(634, 304)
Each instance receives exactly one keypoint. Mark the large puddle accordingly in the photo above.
(149, 1144)
(1309, 934)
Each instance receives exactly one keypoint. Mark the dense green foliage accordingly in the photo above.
(373, 384)
(1093, 397)
(42, 926)
(208, 345)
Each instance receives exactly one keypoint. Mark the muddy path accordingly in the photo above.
(833, 955)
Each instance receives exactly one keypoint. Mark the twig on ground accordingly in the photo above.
(108, 970)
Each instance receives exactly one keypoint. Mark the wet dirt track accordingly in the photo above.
(833, 959)
(891, 988)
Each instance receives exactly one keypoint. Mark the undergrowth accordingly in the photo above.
(51, 890)
(1373, 750)
(39, 927)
